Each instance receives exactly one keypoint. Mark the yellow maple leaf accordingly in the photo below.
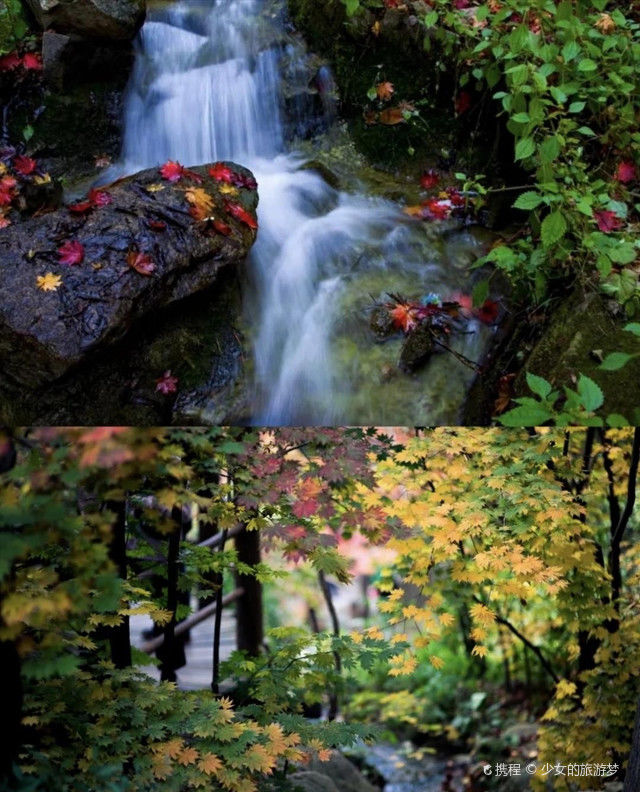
(154, 188)
(49, 282)
(188, 756)
(209, 764)
(479, 651)
(480, 613)
(228, 189)
(436, 662)
(201, 202)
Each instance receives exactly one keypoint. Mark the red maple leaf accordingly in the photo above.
(626, 171)
(405, 317)
(167, 383)
(7, 190)
(100, 197)
(248, 182)
(438, 209)
(607, 220)
(157, 225)
(222, 228)
(172, 171)
(305, 508)
(140, 262)
(455, 196)
(24, 165)
(222, 172)
(82, 207)
(240, 213)
(10, 61)
(32, 61)
(462, 102)
(459, 4)
(429, 179)
(71, 252)
(487, 312)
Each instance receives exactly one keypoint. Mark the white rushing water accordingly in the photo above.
(206, 87)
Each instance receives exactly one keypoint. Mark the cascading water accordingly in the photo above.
(207, 86)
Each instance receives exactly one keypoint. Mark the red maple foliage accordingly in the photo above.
(429, 179)
(100, 197)
(71, 252)
(140, 262)
(222, 227)
(221, 172)
(240, 213)
(607, 220)
(31, 61)
(81, 207)
(24, 165)
(626, 171)
(172, 171)
(167, 383)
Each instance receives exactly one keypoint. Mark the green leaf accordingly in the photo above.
(553, 228)
(587, 65)
(591, 395)
(533, 414)
(538, 385)
(521, 118)
(525, 148)
(576, 107)
(615, 361)
(528, 200)
(480, 293)
(570, 50)
(352, 6)
(633, 327)
(616, 420)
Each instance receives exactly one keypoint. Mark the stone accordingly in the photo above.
(343, 773)
(312, 782)
(45, 334)
(417, 348)
(98, 19)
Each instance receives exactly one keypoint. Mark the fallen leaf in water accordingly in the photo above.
(167, 383)
(404, 317)
(172, 171)
(24, 165)
(71, 252)
(48, 282)
(240, 213)
(140, 262)
(384, 91)
(201, 202)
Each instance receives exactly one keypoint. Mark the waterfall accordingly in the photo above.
(207, 86)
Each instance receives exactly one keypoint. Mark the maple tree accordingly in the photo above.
(519, 545)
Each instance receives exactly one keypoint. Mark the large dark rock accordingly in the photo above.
(100, 19)
(43, 334)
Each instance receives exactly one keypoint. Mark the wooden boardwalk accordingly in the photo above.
(196, 674)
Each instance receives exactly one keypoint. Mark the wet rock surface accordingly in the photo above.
(110, 19)
(44, 334)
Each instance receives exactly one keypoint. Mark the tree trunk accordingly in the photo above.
(169, 649)
(632, 779)
(119, 636)
(11, 697)
(249, 616)
(219, 581)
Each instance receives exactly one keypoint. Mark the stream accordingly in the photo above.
(207, 85)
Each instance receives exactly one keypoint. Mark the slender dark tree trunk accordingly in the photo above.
(249, 611)
(632, 779)
(119, 636)
(169, 647)
(11, 695)
(335, 623)
(219, 581)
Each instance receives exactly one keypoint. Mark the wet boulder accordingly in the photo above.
(417, 348)
(96, 19)
(74, 281)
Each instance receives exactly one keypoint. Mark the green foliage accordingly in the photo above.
(563, 76)
(577, 407)
(13, 25)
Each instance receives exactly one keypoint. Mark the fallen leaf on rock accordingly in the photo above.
(140, 262)
(155, 187)
(201, 202)
(228, 189)
(167, 383)
(81, 207)
(240, 213)
(157, 225)
(221, 172)
(48, 282)
(172, 171)
(405, 317)
(100, 197)
(221, 227)
(71, 252)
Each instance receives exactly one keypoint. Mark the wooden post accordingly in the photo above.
(249, 615)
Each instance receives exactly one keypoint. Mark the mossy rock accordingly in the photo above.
(580, 333)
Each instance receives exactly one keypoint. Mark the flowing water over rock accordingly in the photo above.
(208, 84)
